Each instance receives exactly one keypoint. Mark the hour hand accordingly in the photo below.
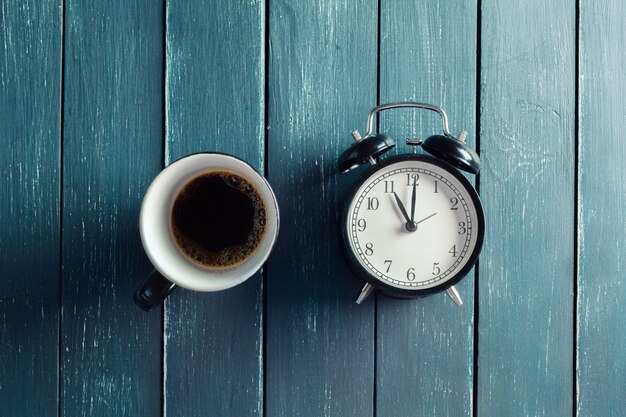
(402, 209)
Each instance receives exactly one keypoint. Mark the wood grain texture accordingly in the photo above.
(425, 346)
(322, 83)
(527, 145)
(113, 124)
(30, 132)
(74, 343)
(215, 102)
(601, 343)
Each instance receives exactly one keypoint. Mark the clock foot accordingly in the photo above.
(454, 294)
(365, 292)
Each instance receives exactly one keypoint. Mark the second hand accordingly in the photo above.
(424, 219)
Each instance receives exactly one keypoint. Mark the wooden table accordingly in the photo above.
(97, 96)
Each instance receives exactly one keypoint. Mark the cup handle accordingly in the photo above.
(153, 291)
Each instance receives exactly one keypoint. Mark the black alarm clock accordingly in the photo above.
(412, 225)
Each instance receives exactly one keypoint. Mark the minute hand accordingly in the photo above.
(413, 202)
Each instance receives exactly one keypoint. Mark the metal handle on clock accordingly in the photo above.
(442, 113)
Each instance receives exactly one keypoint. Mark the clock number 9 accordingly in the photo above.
(362, 224)
(369, 249)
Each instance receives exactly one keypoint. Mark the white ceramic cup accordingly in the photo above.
(172, 268)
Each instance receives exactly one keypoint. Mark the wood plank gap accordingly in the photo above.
(375, 339)
(263, 377)
(475, 341)
(374, 389)
(163, 356)
(576, 203)
(266, 93)
(163, 161)
(378, 61)
(62, 130)
(266, 172)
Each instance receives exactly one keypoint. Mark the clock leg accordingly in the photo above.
(365, 292)
(454, 294)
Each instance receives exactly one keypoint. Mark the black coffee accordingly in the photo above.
(218, 219)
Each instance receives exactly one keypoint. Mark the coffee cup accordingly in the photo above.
(208, 222)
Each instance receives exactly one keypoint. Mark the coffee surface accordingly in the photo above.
(218, 219)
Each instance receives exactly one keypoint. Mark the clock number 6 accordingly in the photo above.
(410, 274)
(369, 249)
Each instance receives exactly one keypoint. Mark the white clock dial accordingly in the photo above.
(444, 219)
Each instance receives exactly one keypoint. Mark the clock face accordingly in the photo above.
(416, 246)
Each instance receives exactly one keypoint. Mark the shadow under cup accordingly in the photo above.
(172, 267)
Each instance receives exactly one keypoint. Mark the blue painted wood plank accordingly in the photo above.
(527, 143)
(30, 117)
(113, 139)
(322, 83)
(215, 102)
(425, 346)
(601, 309)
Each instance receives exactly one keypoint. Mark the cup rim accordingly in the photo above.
(163, 252)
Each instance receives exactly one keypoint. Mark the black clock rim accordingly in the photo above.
(387, 289)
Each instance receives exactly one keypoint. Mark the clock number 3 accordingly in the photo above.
(462, 228)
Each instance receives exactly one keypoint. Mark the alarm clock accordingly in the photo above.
(412, 224)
